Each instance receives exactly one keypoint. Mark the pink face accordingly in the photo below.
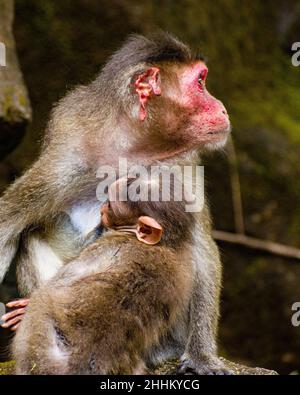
(208, 120)
(187, 114)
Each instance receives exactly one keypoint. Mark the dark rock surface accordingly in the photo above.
(7, 368)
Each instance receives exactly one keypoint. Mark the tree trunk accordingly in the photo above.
(15, 110)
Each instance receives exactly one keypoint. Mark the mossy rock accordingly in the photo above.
(170, 367)
(7, 368)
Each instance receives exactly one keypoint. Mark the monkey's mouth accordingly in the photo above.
(217, 132)
(220, 132)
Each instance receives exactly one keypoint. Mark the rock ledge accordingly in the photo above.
(7, 368)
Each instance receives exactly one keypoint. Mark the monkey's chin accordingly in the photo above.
(219, 139)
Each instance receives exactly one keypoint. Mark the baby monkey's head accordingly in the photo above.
(145, 209)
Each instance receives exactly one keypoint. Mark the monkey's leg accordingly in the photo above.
(200, 356)
(172, 345)
(140, 369)
(37, 262)
(37, 346)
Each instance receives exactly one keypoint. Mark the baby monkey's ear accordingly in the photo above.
(148, 230)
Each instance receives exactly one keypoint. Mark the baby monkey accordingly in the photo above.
(103, 312)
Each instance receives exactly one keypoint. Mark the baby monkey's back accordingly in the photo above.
(103, 312)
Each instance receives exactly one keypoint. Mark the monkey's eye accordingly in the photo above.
(202, 78)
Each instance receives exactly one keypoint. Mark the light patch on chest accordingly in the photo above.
(85, 216)
(44, 259)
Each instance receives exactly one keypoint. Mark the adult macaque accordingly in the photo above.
(149, 104)
(103, 312)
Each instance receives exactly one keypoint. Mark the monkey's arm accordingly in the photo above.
(200, 354)
(45, 189)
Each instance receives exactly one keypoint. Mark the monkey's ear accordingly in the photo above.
(148, 230)
(147, 85)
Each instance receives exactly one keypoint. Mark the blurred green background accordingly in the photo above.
(247, 44)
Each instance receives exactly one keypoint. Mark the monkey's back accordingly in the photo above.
(105, 321)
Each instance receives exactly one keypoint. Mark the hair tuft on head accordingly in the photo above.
(157, 48)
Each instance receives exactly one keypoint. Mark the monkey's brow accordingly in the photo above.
(200, 56)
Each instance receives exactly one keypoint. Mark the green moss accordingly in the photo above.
(22, 99)
(7, 95)
(7, 368)
(169, 367)
(13, 104)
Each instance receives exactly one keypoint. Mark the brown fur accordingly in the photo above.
(95, 125)
(107, 320)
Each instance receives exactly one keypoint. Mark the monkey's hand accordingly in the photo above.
(13, 318)
(209, 365)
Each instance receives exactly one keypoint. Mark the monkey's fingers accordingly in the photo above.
(15, 327)
(12, 318)
(11, 323)
(18, 303)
